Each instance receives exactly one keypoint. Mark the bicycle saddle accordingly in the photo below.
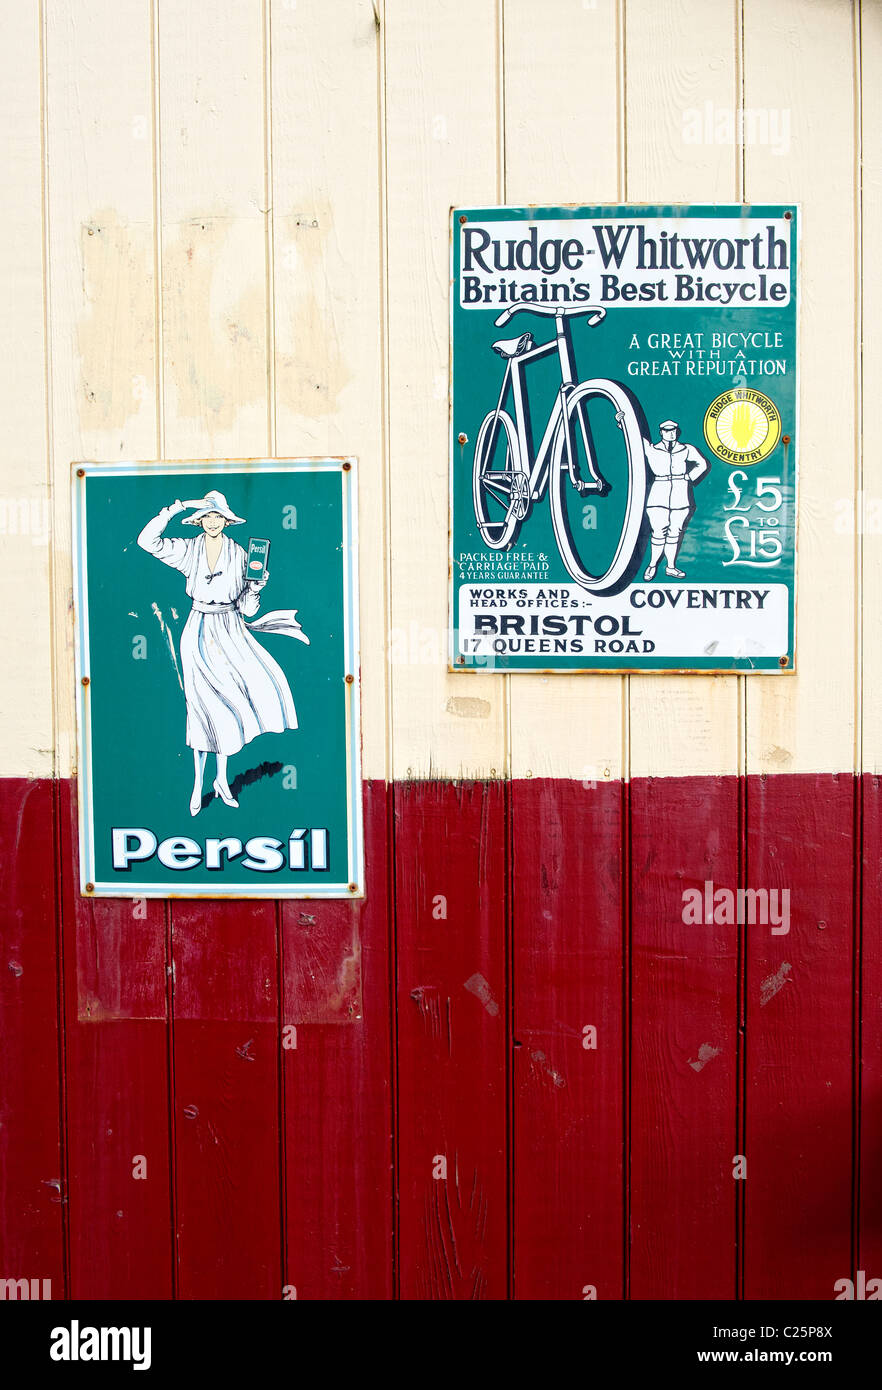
(513, 347)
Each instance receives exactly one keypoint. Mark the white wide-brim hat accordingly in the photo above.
(212, 502)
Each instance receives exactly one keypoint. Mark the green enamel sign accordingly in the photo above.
(623, 438)
(217, 679)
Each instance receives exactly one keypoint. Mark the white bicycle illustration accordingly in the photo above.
(509, 475)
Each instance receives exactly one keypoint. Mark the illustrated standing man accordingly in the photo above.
(669, 504)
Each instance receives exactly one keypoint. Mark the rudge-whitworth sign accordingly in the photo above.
(623, 438)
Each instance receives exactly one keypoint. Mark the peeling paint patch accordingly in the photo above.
(706, 1054)
(215, 323)
(468, 707)
(310, 371)
(777, 754)
(478, 986)
(540, 1063)
(115, 330)
(773, 983)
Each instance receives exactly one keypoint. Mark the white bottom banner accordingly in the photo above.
(675, 621)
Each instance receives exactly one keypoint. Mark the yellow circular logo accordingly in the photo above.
(742, 426)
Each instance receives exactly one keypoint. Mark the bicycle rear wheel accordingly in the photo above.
(583, 550)
(500, 487)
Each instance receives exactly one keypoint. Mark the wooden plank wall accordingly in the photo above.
(512, 1071)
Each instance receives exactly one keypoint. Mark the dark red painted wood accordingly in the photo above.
(684, 833)
(295, 1187)
(31, 1159)
(869, 1251)
(799, 1040)
(338, 1084)
(567, 931)
(453, 1039)
(117, 1087)
(226, 1090)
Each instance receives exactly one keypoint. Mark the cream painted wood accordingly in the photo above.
(328, 297)
(441, 101)
(563, 144)
(680, 56)
(26, 740)
(371, 120)
(800, 59)
(212, 189)
(98, 173)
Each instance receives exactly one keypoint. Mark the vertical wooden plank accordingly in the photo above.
(211, 105)
(686, 724)
(31, 1158)
(807, 724)
(99, 175)
(215, 374)
(452, 1036)
(799, 1043)
(117, 1093)
(866, 518)
(328, 303)
(684, 1030)
(869, 516)
(683, 1204)
(338, 1084)
(680, 725)
(567, 892)
(32, 1185)
(561, 143)
(441, 149)
(869, 1249)
(226, 1088)
(26, 736)
(799, 1039)
(441, 100)
(328, 312)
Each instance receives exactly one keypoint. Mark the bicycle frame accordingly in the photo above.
(537, 463)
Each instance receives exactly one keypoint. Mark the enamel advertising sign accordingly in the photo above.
(217, 679)
(623, 438)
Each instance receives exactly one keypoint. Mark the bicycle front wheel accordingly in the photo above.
(500, 487)
(578, 489)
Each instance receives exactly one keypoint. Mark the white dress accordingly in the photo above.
(233, 687)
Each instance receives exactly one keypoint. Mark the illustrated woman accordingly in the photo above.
(233, 687)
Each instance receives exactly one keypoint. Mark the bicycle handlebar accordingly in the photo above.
(527, 306)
